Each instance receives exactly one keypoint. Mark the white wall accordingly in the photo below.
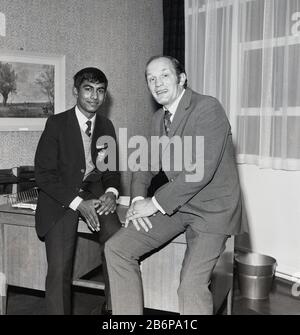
(272, 200)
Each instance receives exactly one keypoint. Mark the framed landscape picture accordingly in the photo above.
(32, 87)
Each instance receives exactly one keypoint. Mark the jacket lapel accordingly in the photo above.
(181, 112)
(74, 133)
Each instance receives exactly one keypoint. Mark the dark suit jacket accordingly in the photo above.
(60, 166)
(215, 200)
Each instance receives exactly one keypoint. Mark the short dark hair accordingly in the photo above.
(178, 67)
(91, 74)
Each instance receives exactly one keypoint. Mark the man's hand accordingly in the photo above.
(139, 212)
(108, 203)
(87, 210)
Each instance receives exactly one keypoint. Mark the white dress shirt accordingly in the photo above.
(82, 119)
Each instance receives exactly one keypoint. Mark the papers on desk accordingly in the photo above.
(24, 205)
(122, 200)
(25, 199)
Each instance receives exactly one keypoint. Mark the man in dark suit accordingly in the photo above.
(201, 199)
(71, 185)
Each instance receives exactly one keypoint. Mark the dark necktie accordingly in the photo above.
(167, 121)
(88, 129)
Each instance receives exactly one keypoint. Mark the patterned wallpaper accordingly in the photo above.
(117, 36)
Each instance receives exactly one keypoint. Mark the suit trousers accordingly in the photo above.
(60, 244)
(124, 250)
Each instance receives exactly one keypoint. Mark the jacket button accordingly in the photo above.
(82, 170)
(171, 179)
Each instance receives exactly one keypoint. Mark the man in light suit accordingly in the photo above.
(70, 185)
(207, 209)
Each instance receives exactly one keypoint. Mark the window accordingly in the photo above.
(247, 54)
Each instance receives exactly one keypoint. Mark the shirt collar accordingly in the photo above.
(82, 119)
(172, 109)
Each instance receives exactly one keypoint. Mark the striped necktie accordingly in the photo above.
(167, 121)
(88, 129)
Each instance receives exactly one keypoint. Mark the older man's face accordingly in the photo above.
(163, 82)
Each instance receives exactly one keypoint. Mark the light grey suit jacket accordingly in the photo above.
(215, 200)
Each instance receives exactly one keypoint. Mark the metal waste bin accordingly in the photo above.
(255, 275)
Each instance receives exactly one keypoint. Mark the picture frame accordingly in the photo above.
(32, 87)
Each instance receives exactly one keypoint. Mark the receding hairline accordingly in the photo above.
(151, 60)
(158, 58)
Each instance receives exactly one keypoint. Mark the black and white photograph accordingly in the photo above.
(150, 161)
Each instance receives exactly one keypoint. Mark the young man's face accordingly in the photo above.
(163, 82)
(90, 97)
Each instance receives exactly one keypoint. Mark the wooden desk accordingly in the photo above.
(23, 262)
(23, 257)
